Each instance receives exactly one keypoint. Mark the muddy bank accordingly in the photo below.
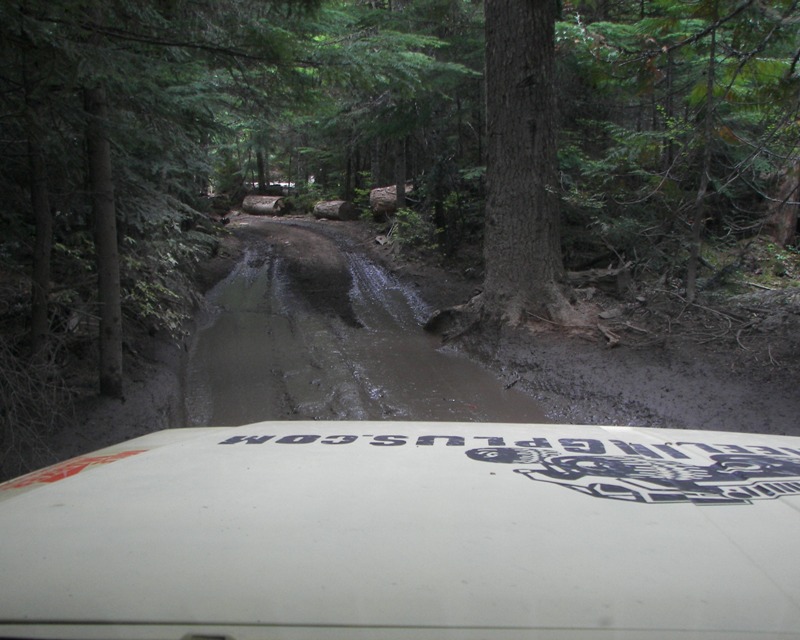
(675, 384)
(153, 382)
(673, 366)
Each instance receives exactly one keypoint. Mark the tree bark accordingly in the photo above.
(698, 224)
(375, 163)
(400, 173)
(263, 180)
(264, 205)
(40, 205)
(335, 210)
(781, 225)
(384, 200)
(524, 270)
(43, 245)
(105, 225)
(347, 191)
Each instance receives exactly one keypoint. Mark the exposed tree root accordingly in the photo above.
(487, 313)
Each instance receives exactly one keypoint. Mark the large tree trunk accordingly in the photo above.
(383, 201)
(105, 224)
(524, 270)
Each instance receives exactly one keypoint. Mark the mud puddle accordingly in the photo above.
(306, 327)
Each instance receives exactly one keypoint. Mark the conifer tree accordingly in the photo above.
(524, 270)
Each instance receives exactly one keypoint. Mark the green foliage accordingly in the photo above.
(385, 76)
(307, 195)
(361, 195)
(157, 285)
(631, 156)
(412, 230)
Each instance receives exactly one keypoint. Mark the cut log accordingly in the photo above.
(265, 205)
(383, 200)
(335, 210)
(613, 281)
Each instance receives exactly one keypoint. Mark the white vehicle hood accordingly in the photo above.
(301, 530)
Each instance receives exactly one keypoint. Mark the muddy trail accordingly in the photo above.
(356, 311)
(315, 321)
(308, 326)
(306, 319)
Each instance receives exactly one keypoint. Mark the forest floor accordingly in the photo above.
(648, 359)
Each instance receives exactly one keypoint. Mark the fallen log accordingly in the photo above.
(615, 281)
(335, 210)
(265, 205)
(383, 200)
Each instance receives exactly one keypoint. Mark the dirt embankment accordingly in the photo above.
(649, 360)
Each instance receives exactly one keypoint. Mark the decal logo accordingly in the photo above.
(67, 469)
(730, 479)
(653, 473)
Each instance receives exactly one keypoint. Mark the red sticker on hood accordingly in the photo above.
(67, 469)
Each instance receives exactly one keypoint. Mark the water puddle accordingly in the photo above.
(267, 354)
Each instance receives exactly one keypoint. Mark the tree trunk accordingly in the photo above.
(40, 204)
(781, 224)
(347, 191)
(699, 204)
(263, 180)
(105, 225)
(524, 270)
(43, 244)
(400, 173)
(375, 163)
(668, 144)
(384, 201)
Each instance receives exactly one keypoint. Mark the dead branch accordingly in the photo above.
(613, 338)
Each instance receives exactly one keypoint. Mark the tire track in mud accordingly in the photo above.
(308, 327)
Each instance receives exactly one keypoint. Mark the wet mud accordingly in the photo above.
(308, 326)
(331, 328)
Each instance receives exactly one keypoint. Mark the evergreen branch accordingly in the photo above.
(710, 28)
(130, 36)
(713, 26)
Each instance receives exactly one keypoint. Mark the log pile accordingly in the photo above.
(265, 205)
(383, 200)
(335, 210)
